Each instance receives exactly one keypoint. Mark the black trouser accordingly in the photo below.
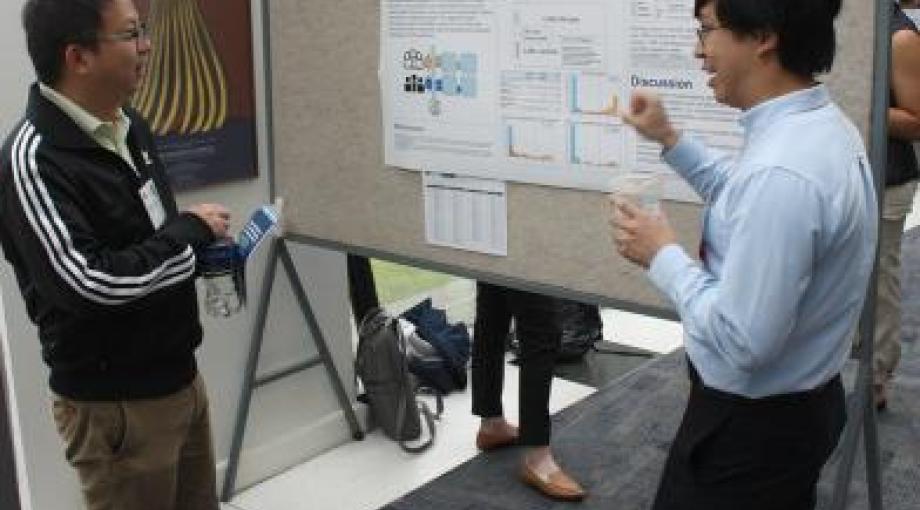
(735, 453)
(361, 286)
(537, 331)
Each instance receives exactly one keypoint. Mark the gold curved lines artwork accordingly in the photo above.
(142, 98)
(210, 69)
(150, 100)
(195, 57)
(185, 88)
(174, 66)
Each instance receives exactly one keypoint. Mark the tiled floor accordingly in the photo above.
(368, 474)
(365, 475)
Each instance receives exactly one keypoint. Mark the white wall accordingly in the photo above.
(26, 393)
(290, 420)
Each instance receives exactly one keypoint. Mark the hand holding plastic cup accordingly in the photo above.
(641, 189)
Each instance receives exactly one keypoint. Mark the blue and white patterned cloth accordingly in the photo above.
(262, 222)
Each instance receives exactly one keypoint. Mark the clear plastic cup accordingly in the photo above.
(642, 189)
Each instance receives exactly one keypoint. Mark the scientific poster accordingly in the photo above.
(529, 90)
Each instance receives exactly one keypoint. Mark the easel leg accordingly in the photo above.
(252, 363)
(873, 461)
(321, 345)
(861, 423)
(278, 249)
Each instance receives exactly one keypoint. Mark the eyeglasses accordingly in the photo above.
(703, 33)
(136, 34)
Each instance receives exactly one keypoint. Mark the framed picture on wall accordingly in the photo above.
(198, 93)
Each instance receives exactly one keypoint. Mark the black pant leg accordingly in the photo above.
(493, 319)
(702, 418)
(538, 332)
(361, 286)
(756, 455)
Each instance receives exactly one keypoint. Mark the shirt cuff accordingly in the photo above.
(667, 266)
(687, 153)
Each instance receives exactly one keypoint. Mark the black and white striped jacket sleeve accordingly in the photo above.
(47, 223)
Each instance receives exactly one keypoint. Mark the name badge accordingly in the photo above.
(152, 203)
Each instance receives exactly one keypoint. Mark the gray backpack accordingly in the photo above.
(390, 388)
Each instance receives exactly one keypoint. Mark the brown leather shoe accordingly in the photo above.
(557, 485)
(486, 441)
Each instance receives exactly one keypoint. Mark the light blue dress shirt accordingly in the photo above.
(789, 238)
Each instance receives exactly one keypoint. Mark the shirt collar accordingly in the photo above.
(762, 115)
(89, 123)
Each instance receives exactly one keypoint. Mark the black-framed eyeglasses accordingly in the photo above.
(703, 32)
(136, 34)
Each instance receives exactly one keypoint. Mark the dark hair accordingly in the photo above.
(806, 41)
(51, 25)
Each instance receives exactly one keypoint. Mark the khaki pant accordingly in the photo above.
(151, 454)
(898, 201)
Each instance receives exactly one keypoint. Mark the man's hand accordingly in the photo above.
(638, 234)
(647, 115)
(215, 215)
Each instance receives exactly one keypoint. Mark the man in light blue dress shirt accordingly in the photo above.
(788, 246)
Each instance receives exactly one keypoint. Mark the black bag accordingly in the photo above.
(390, 388)
(581, 327)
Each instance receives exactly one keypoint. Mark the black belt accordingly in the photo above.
(782, 398)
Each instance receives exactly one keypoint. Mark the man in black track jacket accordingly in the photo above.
(106, 263)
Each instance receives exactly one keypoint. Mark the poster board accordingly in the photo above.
(328, 165)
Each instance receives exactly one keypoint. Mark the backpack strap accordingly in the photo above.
(405, 393)
(429, 421)
(438, 398)
(372, 315)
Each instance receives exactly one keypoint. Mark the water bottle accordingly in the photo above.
(220, 266)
